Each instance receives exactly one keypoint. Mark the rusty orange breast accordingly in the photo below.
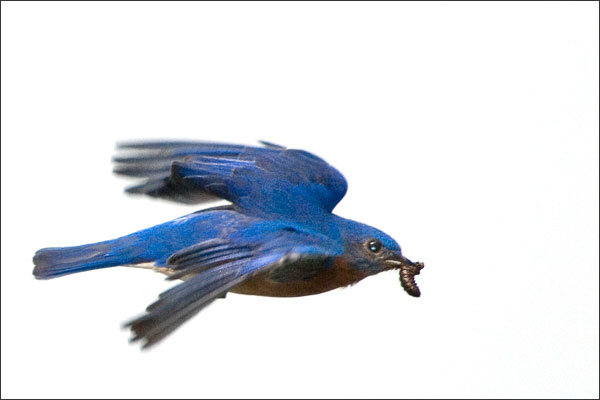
(341, 274)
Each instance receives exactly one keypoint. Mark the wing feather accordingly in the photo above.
(260, 180)
(214, 267)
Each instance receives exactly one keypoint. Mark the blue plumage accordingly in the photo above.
(278, 236)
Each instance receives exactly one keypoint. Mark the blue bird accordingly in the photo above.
(277, 237)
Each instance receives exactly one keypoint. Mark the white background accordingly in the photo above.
(469, 132)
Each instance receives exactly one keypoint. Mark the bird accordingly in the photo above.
(277, 235)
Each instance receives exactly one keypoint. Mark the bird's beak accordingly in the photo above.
(408, 270)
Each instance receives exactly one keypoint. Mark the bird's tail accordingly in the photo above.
(53, 262)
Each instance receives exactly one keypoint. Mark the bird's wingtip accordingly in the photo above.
(271, 145)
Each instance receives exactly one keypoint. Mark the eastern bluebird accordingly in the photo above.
(277, 237)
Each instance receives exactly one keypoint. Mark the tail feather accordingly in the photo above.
(53, 262)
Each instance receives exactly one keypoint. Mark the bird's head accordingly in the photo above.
(373, 251)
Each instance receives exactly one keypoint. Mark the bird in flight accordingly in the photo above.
(277, 237)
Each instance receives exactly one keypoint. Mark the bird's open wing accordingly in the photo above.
(214, 267)
(269, 179)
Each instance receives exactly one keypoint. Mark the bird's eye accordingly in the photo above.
(374, 245)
